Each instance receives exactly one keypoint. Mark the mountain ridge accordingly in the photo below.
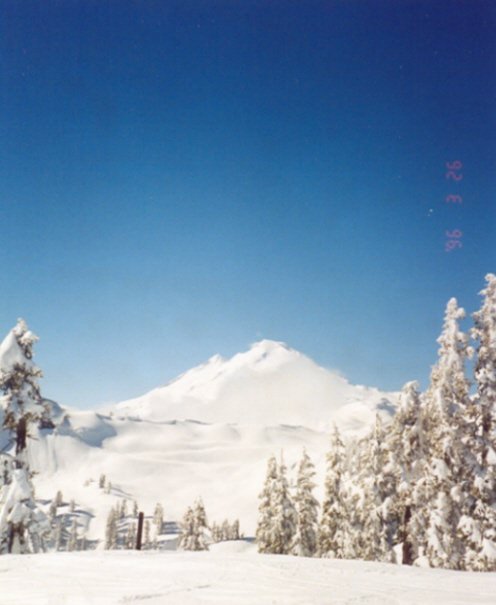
(269, 384)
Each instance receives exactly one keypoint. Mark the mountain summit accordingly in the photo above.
(269, 384)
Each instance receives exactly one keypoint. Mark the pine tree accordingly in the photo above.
(307, 510)
(57, 534)
(283, 527)
(406, 447)
(215, 532)
(187, 537)
(135, 509)
(194, 528)
(381, 516)
(478, 526)
(72, 543)
(266, 508)
(225, 530)
(445, 429)
(59, 499)
(353, 499)
(332, 538)
(146, 538)
(123, 511)
(235, 530)
(22, 402)
(201, 526)
(158, 517)
(23, 526)
(111, 530)
(52, 511)
(101, 482)
(131, 536)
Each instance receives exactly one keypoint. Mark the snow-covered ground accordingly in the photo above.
(230, 574)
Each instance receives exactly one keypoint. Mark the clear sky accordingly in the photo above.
(180, 178)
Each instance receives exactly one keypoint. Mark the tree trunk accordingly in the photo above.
(21, 434)
(407, 545)
(16, 530)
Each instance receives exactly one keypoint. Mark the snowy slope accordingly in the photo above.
(269, 384)
(241, 411)
(118, 577)
(171, 462)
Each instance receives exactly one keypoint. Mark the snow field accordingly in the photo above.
(171, 463)
(224, 576)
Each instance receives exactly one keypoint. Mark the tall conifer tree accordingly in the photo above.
(307, 510)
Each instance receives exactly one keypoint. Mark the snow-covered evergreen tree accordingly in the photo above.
(478, 526)
(131, 536)
(57, 534)
(266, 508)
(146, 535)
(406, 447)
(380, 515)
(59, 499)
(445, 430)
(215, 532)
(23, 526)
(187, 537)
(201, 526)
(194, 528)
(72, 543)
(284, 520)
(111, 530)
(21, 401)
(332, 535)
(225, 530)
(235, 535)
(158, 517)
(52, 511)
(305, 544)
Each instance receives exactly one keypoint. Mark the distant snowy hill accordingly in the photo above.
(208, 433)
(267, 385)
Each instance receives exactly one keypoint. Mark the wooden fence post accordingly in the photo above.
(139, 533)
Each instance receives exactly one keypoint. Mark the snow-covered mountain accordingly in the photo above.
(268, 385)
(208, 433)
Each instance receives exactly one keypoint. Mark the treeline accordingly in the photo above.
(421, 490)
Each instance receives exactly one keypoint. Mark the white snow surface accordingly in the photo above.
(227, 576)
(269, 384)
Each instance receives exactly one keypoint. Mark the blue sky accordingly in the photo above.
(183, 178)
